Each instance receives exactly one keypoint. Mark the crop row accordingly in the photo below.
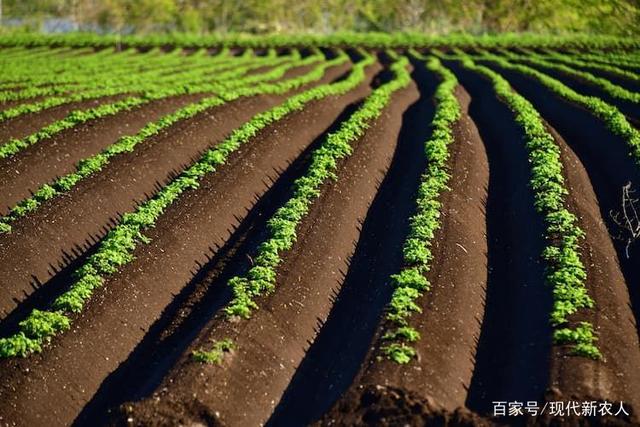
(47, 68)
(410, 283)
(565, 270)
(282, 226)
(225, 92)
(577, 62)
(60, 69)
(123, 67)
(610, 115)
(150, 86)
(612, 58)
(612, 89)
(114, 77)
(116, 249)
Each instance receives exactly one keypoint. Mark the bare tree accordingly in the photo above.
(628, 220)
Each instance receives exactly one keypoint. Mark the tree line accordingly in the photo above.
(618, 17)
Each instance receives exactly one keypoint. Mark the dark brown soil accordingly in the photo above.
(630, 109)
(64, 228)
(512, 359)
(117, 318)
(396, 400)
(26, 124)
(606, 159)
(273, 342)
(377, 405)
(329, 365)
(616, 376)
(26, 171)
(387, 406)
(450, 323)
(310, 355)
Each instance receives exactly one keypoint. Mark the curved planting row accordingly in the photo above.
(302, 232)
(566, 272)
(116, 249)
(612, 89)
(46, 73)
(152, 86)
(52, 68)
(410, 282)
(613, 58)
(610, 115)
(59, 68)
(82, 80)
(125, 72)
(572, 60)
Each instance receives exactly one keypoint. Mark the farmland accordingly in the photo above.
(355, 229)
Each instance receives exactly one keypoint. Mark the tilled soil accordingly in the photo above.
(113, 323)
(273, 342)
(65, 228)
(26, 171)
(458, 278)
(311, 353)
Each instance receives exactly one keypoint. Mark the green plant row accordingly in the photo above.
(261, 278)
(565, 271)
(54, 71)
(134, 83)
(122, 79)
(376, 40)
(122, 68)
(40, 68)
(611, 58)
(572, 60)
(91, 63)
(17, 52)
(40, 54)
(410, 283)
(77, 117)
(44, 73)
(151, 88)
(615, 121)
(96, 163)
(610, 88)
(108, 77)
(139, 63)
(116, 249)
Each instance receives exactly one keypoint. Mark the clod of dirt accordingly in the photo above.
(159, 413)
(389, 406)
